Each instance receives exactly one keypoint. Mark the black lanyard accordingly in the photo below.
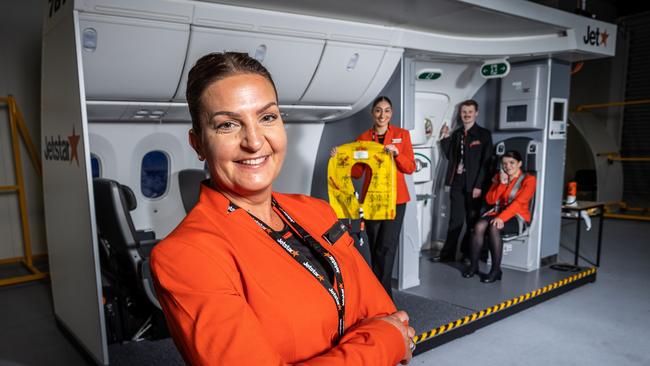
(337, 296)
(377, 137)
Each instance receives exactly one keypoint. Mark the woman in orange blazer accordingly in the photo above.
(510, 193)
(255, 277)
(384, 234)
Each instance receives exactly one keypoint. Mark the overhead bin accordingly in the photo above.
(290, 60)
(344, 73)
(133, 59)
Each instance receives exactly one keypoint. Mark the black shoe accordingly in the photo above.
(469, 272)
(491, 277)
(441, 259)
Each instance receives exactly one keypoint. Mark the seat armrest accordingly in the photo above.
(142, 235)
(148, 243)
(145, 247)
(147, 284)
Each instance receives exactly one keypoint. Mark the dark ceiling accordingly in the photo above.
(606, 10)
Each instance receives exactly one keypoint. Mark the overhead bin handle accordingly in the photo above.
(89, 39)
(353, 62)
(260, 53)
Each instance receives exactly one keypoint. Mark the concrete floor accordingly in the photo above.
(603, 323)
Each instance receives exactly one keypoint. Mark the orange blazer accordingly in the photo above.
(232, 296)
(405, 160)
(519, 204)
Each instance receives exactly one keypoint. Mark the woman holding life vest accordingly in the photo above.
(256, 277)
(510, 193)
(384, 234)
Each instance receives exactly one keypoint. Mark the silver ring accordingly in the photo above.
(412, 346)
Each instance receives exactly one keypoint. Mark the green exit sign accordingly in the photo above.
(495, 69)
(429, 74)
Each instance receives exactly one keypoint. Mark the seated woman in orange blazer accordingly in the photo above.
(255, 277)
(510, 193)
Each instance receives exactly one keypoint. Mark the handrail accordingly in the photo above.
(613, 156)
(583, 107)
(641, 212)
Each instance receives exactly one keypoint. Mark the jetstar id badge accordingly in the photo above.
(334, 233)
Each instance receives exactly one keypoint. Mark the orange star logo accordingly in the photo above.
(73, 140)
(321, 278)
(295, 253)
(603, 38)
(327, 255)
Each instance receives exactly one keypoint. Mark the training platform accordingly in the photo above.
(446, 306)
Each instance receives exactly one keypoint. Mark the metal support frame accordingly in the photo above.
(585, 107)
(600, 206)
(643, 213)
(616, 156)
(17, 125)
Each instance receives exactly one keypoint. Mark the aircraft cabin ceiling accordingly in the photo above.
(445, 17)
(311, 47)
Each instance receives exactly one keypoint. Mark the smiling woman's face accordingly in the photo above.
(381, 114)
(510, 166)
(242, 134)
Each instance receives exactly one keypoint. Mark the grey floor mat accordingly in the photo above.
(161, 352)
(426, 314)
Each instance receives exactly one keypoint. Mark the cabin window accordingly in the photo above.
(154, 174)
(95, 165)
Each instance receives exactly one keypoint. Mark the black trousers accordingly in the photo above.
(384, 239)
(464, 211)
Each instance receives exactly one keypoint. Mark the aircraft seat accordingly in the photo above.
(528, 149)
(189, 183)
(128, 249)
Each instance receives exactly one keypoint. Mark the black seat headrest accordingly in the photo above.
(129, 197)
(525, 146)
(189, 182)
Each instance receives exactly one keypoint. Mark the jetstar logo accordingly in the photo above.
(595, 37)
(313, 270)
(62, 149)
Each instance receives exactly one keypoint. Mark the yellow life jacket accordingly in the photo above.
(379, 202)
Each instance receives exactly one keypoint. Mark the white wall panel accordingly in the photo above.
(298, 169)
(69, 214)
(121, 146)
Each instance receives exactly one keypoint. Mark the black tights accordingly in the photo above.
(494, 239)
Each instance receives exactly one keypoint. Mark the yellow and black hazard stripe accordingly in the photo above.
(470, 323)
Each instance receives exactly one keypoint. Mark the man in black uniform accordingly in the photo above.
(469, 150)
